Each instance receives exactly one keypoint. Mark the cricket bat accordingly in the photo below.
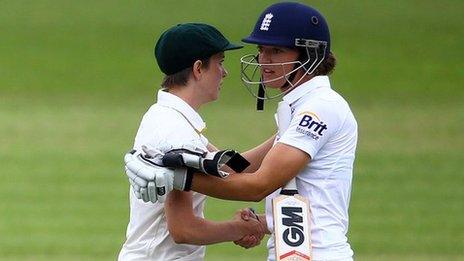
(292, 232)
(291, 212)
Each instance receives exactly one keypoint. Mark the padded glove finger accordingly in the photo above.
(152, 192)
(144, 193)
(160, 190)
(135, 188)
(137, 194)
(136, 179)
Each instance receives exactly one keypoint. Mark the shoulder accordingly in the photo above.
(165, 119)
(162, 124)
(325, 99)
(165, 114)
(326, 105)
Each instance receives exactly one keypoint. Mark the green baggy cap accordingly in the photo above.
(180, 46)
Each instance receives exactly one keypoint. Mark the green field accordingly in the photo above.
(76, 77)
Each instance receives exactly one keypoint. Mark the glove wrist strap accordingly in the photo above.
(183, 179)
(189, 179)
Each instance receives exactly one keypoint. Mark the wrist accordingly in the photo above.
(262, 220)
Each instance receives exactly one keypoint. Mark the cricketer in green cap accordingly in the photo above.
(191, 56)
(180, 46)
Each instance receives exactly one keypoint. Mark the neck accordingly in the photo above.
(188, 94)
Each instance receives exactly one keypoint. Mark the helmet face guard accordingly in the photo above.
(250, 69)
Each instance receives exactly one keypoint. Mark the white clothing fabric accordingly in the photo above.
(324, 127)
(171, 120)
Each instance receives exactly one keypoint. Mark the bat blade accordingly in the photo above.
(292, 228)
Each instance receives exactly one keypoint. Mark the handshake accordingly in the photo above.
(154, 172)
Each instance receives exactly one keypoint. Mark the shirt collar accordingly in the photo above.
(301, 90)
(174, 102)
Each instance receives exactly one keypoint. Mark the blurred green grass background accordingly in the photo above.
(76, 77)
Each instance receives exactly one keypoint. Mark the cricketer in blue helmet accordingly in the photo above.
(316, 147)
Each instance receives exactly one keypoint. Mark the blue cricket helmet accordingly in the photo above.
(291, 25)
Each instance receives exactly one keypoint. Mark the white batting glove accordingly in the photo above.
(151, 180)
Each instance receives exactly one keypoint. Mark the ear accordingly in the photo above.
(197, 69)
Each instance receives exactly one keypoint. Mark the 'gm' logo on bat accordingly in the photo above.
(293, 235)
(311, 125)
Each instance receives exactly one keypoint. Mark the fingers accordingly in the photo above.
(253, 241)
(255, 227)
(245, 214)
(248, 241)
(248, 213)
(252, 211)
(241, 215)
(260, 237)
(244, 241)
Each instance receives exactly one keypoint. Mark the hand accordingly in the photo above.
(150, 181)
(251, 240)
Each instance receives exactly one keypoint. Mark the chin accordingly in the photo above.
(215, 97)
(274, 85)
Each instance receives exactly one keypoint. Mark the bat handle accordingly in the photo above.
(290, 188)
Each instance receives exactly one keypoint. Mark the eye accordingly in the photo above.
(277, 50)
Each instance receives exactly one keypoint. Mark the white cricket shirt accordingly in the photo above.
(324, 127)
(173, 121)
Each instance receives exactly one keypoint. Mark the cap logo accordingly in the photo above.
(266, 22)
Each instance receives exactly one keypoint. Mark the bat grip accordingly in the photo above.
(290, 188)
(291, 184)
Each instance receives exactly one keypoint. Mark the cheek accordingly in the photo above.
(219, 73)
(288, 68)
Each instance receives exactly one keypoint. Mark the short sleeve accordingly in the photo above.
(311, 127)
